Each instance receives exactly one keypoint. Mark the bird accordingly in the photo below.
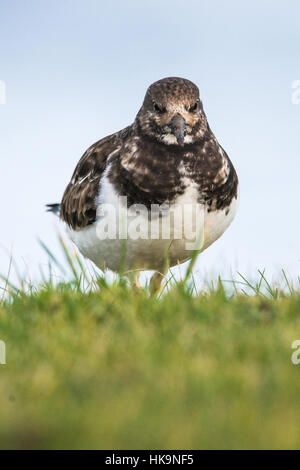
(149, 195)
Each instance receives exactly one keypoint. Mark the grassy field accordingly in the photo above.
(115, 368)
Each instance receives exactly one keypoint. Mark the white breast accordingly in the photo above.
(183, 225)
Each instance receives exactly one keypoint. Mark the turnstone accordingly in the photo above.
(169, 166)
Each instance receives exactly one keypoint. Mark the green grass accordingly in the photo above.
(108, 367)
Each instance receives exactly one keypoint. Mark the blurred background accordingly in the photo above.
(75, 71)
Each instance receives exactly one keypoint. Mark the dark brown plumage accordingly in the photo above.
(78, 205)
(147, 157)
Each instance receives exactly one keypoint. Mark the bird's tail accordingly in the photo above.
(55, 208)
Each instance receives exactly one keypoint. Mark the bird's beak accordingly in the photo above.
(178, 128)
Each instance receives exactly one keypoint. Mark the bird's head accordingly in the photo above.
(172, 112)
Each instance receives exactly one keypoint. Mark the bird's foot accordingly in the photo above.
(155, 282)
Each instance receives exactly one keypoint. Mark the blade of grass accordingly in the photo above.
(52, 257)
(291, 290)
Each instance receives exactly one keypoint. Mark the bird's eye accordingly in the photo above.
(194, 107)
(157, 108)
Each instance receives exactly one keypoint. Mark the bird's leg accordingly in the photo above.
(134, 278)
(157, 277)
(137, 284)
(155, 282)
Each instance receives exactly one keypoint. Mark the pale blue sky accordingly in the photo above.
(76, 70)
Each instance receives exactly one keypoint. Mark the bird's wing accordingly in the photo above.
(78, 205)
